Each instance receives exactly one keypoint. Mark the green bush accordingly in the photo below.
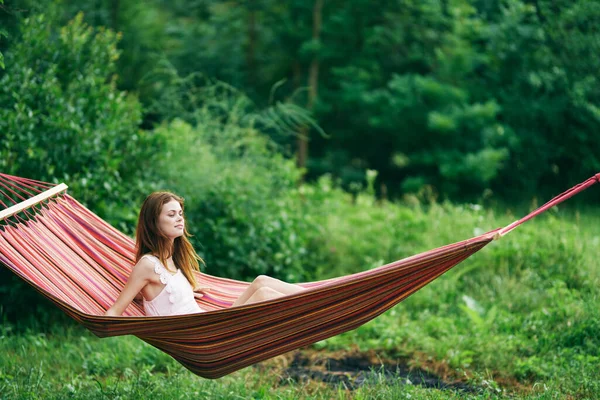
(242, 203)
(62, 118)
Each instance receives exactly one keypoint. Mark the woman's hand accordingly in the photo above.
(199, 292)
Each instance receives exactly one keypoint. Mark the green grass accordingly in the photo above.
(523, 311)
(519, 319)
(74, 364)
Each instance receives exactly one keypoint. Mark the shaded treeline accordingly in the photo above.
(469, 97)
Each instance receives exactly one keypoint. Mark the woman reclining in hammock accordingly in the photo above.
(165, 260)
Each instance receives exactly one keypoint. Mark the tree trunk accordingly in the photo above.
(114, 14)
(445, 10)
(251, 46)
(313, 82)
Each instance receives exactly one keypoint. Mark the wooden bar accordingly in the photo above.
(10, 211)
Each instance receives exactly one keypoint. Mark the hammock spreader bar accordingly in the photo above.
(17, 208)
(81, 263)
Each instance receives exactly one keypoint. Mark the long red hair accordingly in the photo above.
(149, 238)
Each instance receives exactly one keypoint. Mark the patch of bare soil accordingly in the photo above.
(351, 369)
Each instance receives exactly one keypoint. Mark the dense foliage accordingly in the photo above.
(466, 96)
(63, 119)
(248, 218)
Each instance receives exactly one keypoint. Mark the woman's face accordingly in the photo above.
(170, 220)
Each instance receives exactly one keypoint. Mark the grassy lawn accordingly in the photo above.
(519, 319)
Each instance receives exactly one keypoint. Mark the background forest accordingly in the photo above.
(315, 138)
(470, 97)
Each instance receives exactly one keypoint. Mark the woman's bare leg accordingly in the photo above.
(277, 285)
(263, 281)
(263, 294)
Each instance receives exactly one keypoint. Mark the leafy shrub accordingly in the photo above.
(64, 120)
(242, 205)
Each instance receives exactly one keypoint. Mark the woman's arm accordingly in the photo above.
(200, 291)
(140, 277)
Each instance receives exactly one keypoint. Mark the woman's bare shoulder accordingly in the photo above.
(145, 265)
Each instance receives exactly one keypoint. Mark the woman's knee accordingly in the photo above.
(266, 293)
(262, 281)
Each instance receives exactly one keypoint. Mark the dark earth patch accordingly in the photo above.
(351, 369)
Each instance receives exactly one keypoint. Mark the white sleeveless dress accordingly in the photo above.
(177, 297)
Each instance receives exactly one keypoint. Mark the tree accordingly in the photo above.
(63, 118)
(313, 81)
(542, 64)
(466, 96)
(2, 34)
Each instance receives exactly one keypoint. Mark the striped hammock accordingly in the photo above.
(81, 263)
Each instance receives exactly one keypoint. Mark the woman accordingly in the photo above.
(163, 274)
